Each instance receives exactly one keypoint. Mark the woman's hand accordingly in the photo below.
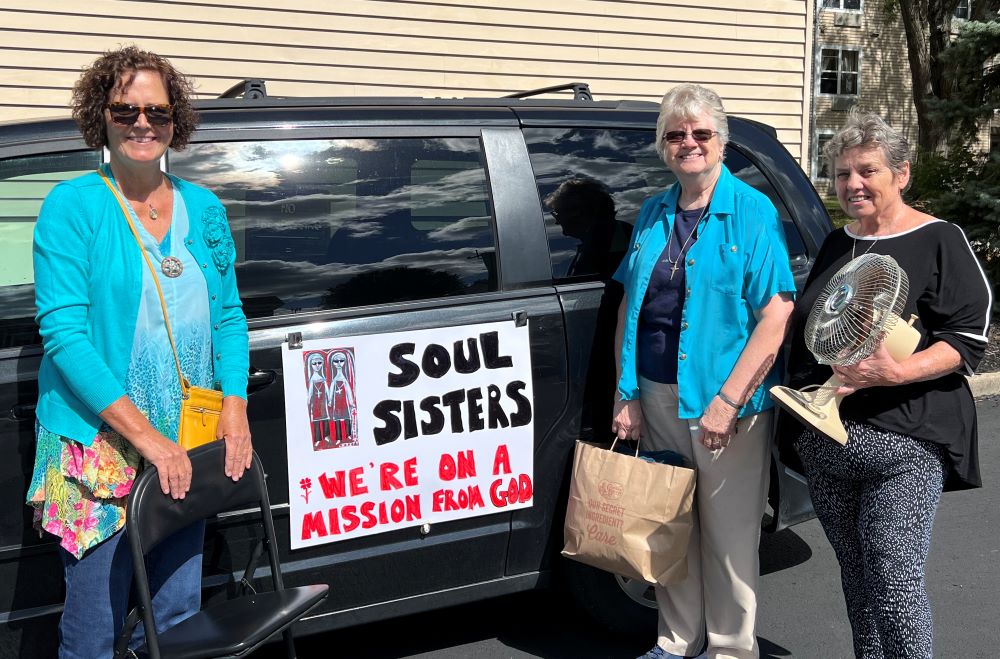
(626, 422)
(171, 461)
(234, 428)
(879, 370)
(718, 424)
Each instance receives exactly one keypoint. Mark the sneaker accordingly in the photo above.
(659, 653)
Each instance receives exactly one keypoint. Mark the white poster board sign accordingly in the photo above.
(388, 431)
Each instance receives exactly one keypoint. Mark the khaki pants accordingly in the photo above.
(719, 595)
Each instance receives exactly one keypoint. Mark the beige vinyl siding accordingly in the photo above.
(757, 55)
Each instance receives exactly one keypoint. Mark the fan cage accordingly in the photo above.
(856, 308)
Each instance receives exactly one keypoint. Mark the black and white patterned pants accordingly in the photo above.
(876, 497)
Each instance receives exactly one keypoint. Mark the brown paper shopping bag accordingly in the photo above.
(629, 516)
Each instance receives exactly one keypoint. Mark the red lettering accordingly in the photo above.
(525, 488)
(446, 467)
(387, 479)
(410, 472)
(495, 494)
(370, 519)
(350, 516)
(333, 487)
(501, 461)
(357, 484)
(467, 498)
(466, 464)
(313, 523)
(519, 490)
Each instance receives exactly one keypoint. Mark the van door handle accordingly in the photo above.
(259, 379)
(22, 412)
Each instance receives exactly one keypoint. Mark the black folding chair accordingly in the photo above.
(231, 628)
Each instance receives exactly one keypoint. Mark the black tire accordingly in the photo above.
(623, 606)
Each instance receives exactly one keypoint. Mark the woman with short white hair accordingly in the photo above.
(708, 291)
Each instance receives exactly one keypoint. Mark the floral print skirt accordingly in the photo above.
(79, 492)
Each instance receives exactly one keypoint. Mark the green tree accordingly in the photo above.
(928, 28)
(958, 182)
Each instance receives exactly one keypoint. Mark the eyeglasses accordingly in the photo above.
(127, 114)
(699, 134)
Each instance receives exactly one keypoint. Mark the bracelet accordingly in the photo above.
(729, 401)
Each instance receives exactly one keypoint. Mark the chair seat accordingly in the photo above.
(233, 627)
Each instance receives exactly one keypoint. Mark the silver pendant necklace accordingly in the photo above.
(855, 245)
(675, 264)
(171, 266)
(153, 215)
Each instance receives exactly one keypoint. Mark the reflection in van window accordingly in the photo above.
(24, 182)
(592, 183)
(328, 224)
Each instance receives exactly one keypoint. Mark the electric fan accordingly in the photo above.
(857, 310)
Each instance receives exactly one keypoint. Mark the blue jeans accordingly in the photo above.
(98, 587)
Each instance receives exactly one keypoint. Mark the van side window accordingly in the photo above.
(747, 172)
(592, 183)
(24, 182)
(329, 224)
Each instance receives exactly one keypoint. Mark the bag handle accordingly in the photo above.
(615, 443)
(185, 385)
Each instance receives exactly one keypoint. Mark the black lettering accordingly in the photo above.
(436, 423)
(409, 420)
(491, 351)
(497, 417)
(386, 412)
(436, 361)
(475, 405)
(408, 370)
(523, 414)
(454, 400)
(468, 364)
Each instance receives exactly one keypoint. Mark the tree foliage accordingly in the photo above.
(956, 90)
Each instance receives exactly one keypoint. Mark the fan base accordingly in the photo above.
(817, 410)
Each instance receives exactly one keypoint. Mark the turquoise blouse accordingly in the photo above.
(738, 264)
(89, 277)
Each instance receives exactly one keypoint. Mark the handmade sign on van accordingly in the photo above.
(387, 431)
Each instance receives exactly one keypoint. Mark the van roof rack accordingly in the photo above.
(250, 88)
(581, 91)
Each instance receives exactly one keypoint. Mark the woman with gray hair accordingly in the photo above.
(911, 425)
(708, 291)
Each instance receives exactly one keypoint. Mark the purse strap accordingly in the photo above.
(185, 386)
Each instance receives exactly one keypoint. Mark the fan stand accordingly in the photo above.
(819, 408)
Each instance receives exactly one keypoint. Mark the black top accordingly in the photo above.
(950, 295)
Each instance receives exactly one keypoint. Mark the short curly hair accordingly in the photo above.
(113, 71)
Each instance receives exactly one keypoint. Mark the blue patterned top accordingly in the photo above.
(151, 380)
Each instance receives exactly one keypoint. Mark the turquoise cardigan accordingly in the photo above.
(737, 265)
(88, 277)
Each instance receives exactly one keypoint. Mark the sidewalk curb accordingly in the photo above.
(985, 384)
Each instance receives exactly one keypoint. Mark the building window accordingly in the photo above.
(962, 11)
(839, 71)
(821, 165)
(847, 5)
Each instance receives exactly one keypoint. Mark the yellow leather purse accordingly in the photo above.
(200, 407)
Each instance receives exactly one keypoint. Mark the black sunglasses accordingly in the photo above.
(127, 114)
(699, 135)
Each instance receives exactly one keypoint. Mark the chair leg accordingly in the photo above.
(289, 643)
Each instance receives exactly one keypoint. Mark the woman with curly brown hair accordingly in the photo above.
(109, 392)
